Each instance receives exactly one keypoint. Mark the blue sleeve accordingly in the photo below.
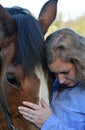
(53, 123)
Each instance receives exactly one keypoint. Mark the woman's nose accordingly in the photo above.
(61, 78)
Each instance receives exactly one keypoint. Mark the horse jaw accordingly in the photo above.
(43, 92)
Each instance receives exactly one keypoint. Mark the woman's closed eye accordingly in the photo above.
(63, 72)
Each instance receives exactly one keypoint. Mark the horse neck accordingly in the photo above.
(44, 91)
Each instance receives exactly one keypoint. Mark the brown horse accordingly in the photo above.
(23, 71)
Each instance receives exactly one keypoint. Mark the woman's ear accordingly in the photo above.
(47, 14)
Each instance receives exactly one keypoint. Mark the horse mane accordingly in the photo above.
(17, 10)
(30, 40)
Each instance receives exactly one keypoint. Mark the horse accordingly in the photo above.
(23, 71)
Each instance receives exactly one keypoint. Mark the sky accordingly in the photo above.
(69, 8)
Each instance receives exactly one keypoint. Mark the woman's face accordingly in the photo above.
(64, 71)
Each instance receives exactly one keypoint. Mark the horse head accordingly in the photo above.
(23, 70)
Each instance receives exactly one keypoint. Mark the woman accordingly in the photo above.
(65, 53)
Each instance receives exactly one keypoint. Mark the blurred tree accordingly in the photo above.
(77, 25)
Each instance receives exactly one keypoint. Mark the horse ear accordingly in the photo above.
(6, 22)
(47, 14)
(4, 15)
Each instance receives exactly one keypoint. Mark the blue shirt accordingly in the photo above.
(68, 108)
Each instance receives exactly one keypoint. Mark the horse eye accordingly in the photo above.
(13, 80)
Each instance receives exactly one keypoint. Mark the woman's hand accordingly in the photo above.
(35, 113)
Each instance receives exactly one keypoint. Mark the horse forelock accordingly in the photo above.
(30, 43)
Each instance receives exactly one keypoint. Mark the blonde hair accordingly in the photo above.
(68, 46)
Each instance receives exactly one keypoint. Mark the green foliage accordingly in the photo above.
(77, 25)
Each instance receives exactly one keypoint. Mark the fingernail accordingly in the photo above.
(24, 102)
(19, 107)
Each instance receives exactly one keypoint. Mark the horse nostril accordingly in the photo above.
(13, 80)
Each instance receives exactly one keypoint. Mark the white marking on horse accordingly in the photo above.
(43, 92)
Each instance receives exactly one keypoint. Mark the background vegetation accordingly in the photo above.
(77, 25)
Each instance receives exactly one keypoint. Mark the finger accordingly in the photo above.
(27, 115)
(24, 113)
(33, 120)
(26, 110)
(29, 118)
(31, 105)
(43, 103)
